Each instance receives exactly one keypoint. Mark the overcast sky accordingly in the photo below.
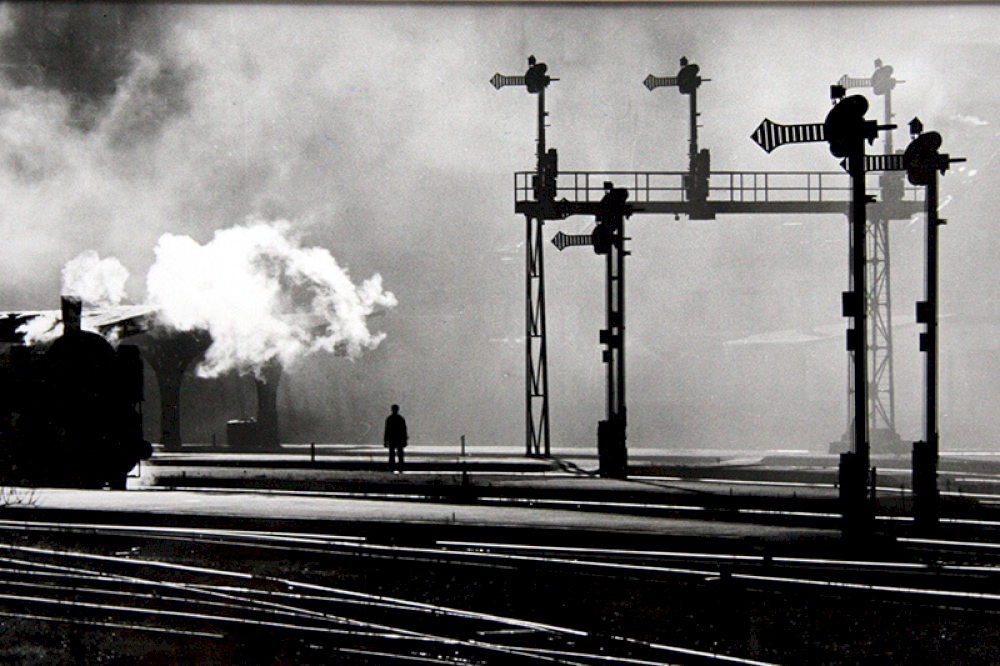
(374, 131)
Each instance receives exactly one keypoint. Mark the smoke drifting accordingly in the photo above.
(374, 127)
(262, 297)
(97, 282)
(40, 330)
(83, 51)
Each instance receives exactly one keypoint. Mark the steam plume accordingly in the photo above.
(262, 297)
(41, 329)
(98, 282)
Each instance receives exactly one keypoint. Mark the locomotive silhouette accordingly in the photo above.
(71, 415)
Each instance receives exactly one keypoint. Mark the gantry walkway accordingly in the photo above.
(729, 192)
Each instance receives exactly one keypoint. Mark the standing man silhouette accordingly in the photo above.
(395, 437)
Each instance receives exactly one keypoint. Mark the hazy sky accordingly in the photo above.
(374, 131)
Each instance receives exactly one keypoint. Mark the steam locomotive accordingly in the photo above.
(71, 415)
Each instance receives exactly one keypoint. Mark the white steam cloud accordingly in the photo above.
(40, 330)
(262, 297)
(97, 282)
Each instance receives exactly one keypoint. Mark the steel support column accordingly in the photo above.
(536, 348)
(924, 162)
(925, 453)
(880, 356)
(536, 389)
(882, 410)
(612, 449)
(854, 480)
(609, 239)
(881, 376)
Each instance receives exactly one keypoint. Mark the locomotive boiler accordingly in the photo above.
(71, 415)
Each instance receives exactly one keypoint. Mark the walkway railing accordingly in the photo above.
(724, 186)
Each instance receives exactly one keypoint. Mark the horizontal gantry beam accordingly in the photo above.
(561, 210)
(730, 193)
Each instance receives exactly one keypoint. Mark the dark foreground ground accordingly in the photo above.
(772, 626)
(720, 613)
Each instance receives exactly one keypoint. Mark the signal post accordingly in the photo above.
(923, 163)
(846, 130)
(537, 439)
(881, 394)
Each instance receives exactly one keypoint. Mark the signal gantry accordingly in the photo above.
(547, 194)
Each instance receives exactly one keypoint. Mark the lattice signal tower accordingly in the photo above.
(878, 300)
(537, 431)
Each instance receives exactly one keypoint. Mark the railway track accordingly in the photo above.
(151, 583)
(759, 507)
(126, 593)
(923, 567)
(126, 584)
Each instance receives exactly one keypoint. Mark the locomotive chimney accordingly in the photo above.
(72, 313)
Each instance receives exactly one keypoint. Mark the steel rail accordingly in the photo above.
(889, 490)
(399, 633)
(609, 506)
(584, 556)
(394, 633)
(204, 589)
(807, 566)
(268, 605)
(418, 659)
(248, 603)
(304, 542)
(726, 558)
(111, 625)
(723, 559)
